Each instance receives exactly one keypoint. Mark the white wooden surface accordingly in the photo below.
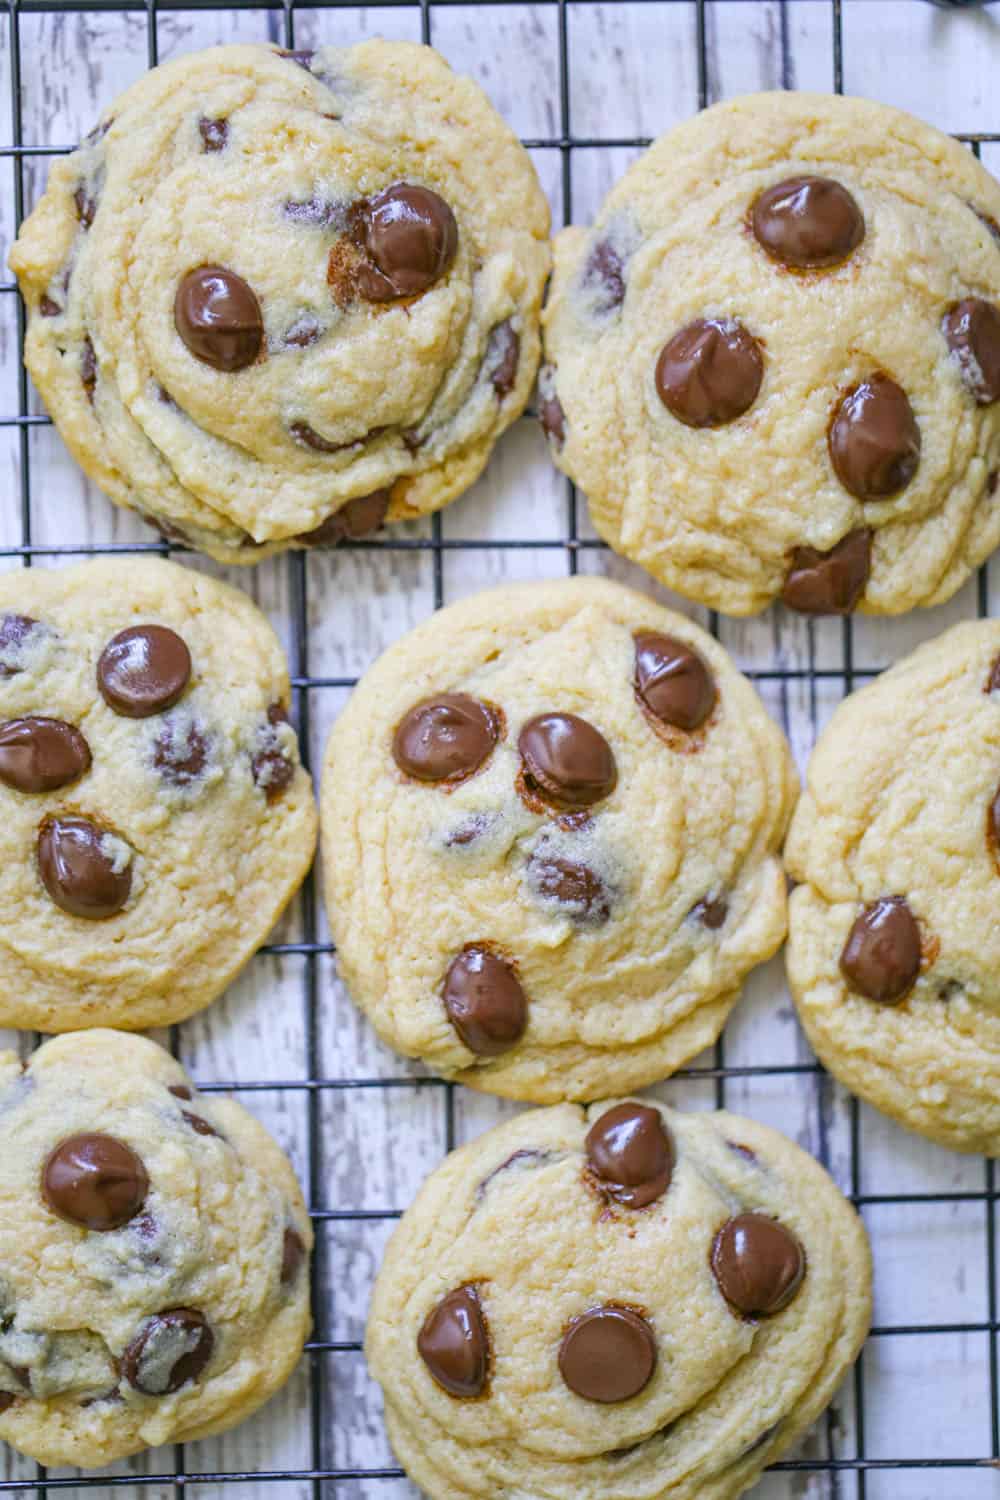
(633, 72)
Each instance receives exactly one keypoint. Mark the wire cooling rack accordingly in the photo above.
(840, 1461)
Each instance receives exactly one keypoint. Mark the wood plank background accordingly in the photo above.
(631, 70)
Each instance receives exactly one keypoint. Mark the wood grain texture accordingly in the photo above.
(633, 72)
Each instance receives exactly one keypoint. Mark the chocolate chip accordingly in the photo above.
(446, 738)
(40, 755)
(179, 1091)
(48, 308)
(180, 752)
(82, 869)
(993, 681)
(468, 831)
(550, 410)
(454, 1343)
(410, 236)
(15, 632)
(744, 1151)
(358, 518)
(143, 670)
(604, 277)
(293, 1253)
(86, 206)
(874, 439)
(484, 1001)
(829, 583)
(631, 1153)
(710, 372)
(672, 681)
(171, 1350)
(315, 210)
(881, 958)
(608, 1354)
(303, 334)
(214, 133)
(503, 350)
(711, 912)
(758, 1265)
(574, 887)
(516, 1159)
(95, 1181)
(6, 1401)
(994, 821)
(303, 433)
(218, 317)
(199, 1124)
(271, 767)
(992, 480)
(972, 332)
(566, 761)
(808, 223)
(88, 367)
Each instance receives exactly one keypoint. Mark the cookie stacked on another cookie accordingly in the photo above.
(154, 817)
(894, 943)
(551, 823)
(774, 361)
(277, 298)
(154, 1250)
(624, 1302)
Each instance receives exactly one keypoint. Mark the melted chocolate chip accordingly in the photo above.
(631, 1154)
(218, 317)
(179, 1091)
(710, 372)
(468, 831)
(484, 1001)
(972, 332)
(302, 335)
(6, 1401)
(15, 631)
(574, 887)
(86, 206)
(604, 277)
(829, 583)
(95, 1181)
(808, 223)
(214, 133)
(357, 519)
(608, 1354)
(180, 753)
(454, 1343)
(40, 755)
(881, 958)
(516, 1159)
(88, 367)
(993, 824)
(874, 439)
(199, 1124)
(81, 869)
(550, 410)
(171, 1350)
(672, 682)
(758, 1265)
(303, 433)
(503, 351)
(293, 1253)
(744, 1151)
(711, 912)
(48, 308)
(566, 761)
(272, 771)
(314, 210)
(410, 236)
(143, 670)
(446, 738)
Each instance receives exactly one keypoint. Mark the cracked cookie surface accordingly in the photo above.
(154, 1244)
(276, 299)
(619, 1301)
(551, 819)
(774, 361)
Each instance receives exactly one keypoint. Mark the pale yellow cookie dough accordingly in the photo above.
(251, 158)
(630, 925)
(718, 512)
(221, 1231)
(901, 805)
(205, 802)
(517, 1216)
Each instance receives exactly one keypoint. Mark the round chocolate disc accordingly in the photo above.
(171, 1350)
(710, 372)
(81, 868)
(807, 222)
(874, 439)
(758, 1264)
(143, 670)
(484, 1001)
(829, 583)
(881, 958)
(411, 237)
(41, 755)
(445, 738)
(630, 1151)
(608, 1354)
(972, 332)
(566, 761)
(454, 1343)
(672, 681)
(95, 1181)
(219, 318)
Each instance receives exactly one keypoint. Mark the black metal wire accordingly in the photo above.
(311, 948)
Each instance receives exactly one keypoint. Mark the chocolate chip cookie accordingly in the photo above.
(622, 1301)
(276, 299)
(154, 1245)
(894, 944)
(154, 817)
(774, 361)
(551, 820)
